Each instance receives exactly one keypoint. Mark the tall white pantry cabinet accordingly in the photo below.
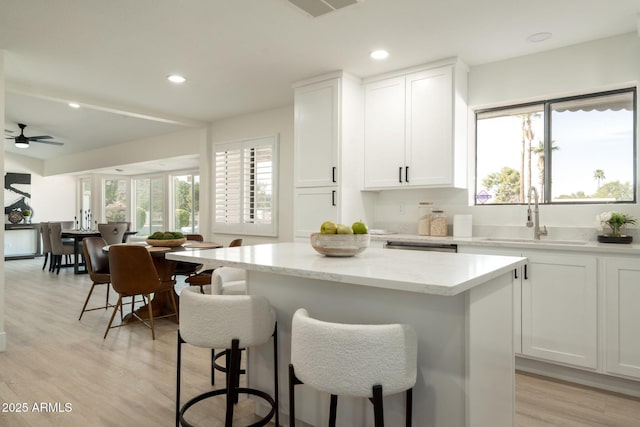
(328, 152)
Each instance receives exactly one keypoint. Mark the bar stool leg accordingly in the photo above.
(378, 413)
(409, 407)
(179, 364)
(333, 409)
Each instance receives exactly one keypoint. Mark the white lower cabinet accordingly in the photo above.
(555, 306)
(560, 308)
(622, 320)
(517, 290)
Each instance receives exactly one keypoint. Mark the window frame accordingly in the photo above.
(241, 228)
(547, 114)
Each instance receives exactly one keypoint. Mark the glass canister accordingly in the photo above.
(424, 219)
(438, 223)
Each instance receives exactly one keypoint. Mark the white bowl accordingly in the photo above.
(340, 245)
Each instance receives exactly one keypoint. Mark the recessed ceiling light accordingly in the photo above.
(74, 105)
(539, 37)
(379, 54)
(174, 78)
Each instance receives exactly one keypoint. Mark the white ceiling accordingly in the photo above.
(242, 56)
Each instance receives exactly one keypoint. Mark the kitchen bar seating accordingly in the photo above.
(233, 322)
(367, 361)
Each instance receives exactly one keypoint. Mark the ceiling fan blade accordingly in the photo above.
(47, 142)
(40, 137)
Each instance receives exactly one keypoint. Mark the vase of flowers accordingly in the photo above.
(614, 225)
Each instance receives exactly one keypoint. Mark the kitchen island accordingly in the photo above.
(461, 306)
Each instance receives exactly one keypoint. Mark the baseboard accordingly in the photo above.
(578, 376)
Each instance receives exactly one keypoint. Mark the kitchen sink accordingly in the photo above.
(552, 242)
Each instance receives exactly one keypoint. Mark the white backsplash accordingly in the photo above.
(397, 211)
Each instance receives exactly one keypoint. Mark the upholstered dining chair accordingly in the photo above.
(133, 273)
(97, 261)
(113, 233)
(128, 223)
(46, 244)
(58, 248)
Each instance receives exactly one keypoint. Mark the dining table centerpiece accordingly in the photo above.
(166, 238)
(614, 227)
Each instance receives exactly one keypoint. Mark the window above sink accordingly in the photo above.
(576, 150)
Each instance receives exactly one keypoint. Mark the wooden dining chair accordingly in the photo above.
(203, 278)
(194, 237)
(133, 273)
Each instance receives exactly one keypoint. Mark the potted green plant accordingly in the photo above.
(614, 224)
(27, 215)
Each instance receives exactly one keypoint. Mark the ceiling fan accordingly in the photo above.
(22, 141)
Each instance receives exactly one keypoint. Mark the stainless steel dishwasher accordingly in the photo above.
(421, 246)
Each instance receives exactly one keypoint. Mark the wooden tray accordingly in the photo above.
(167, 243)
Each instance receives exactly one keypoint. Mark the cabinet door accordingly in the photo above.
(622, 287)
(429, 127)
(317, 124)
(313, 206)
(559, 309)
(517, 289)
(384, 133)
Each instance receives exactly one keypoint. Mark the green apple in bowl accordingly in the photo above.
(328, 227)
(344, 229)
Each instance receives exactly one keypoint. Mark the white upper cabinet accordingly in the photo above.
(316, 129)
(415, 128)
(384, 154)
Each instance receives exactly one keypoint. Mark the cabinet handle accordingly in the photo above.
(333, 197)
(515, 273)
(526, 276)
(406, 173)
(400, 174)
(333, 174)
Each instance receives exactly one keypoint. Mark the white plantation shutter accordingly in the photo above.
(245, 186)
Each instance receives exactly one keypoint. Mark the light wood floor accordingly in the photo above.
(129, 380)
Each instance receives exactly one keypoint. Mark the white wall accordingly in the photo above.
(598, 65)
(275, 121)
(52, 198)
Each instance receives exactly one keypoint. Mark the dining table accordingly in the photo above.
(78, 236)
(161, 301)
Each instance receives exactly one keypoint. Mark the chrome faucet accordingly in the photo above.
(536, 216)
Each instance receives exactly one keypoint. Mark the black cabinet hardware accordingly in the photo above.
(333, 197)
(333, 174)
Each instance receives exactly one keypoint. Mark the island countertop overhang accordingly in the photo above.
(434, 273)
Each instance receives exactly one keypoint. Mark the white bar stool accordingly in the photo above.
(232, 322)
(368, 361)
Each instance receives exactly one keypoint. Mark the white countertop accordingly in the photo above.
(434, 273)
(522, 243)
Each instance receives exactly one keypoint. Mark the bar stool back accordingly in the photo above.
(368, 361)
(232, 322)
